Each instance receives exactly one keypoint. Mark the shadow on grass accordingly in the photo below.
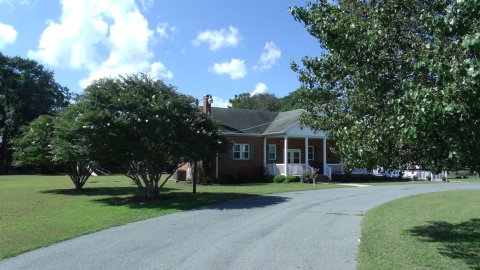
(186, 201)
(459, 241)
(99, 191)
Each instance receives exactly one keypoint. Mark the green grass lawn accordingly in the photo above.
(37, 211)
(430, 231)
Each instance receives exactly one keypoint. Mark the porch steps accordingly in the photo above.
(321, 178)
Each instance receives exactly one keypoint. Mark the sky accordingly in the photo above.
(216, 47)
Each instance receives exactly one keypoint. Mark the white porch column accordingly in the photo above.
(265, 152)
(324, 155)
(285, 154)
(306, 151)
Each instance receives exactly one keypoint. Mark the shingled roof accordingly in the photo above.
(239, 121)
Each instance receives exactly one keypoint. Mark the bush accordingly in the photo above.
(444, 179)
(429, 178)
(291, 179)
(279, 179)
(307, 177)
(415, 178)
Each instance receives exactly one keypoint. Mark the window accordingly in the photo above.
(241, 151)
(311, 155)
(272, 152)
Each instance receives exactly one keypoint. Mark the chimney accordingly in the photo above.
(207, 104)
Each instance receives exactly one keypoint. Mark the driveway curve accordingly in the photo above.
(299, 230)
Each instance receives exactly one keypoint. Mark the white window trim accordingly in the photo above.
(274, 152)
(242, 151)
(313, 153)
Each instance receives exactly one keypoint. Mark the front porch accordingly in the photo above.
(294, 154)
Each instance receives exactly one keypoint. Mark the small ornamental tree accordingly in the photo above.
(203, 141)
(33, 148)
(70, 146)
(143, 125)
(61, 140)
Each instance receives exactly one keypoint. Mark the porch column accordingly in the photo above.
(324, 155)
(285, 154)
(306, 152)
(265, 152)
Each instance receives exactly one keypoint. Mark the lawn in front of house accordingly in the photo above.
(429, 231)
(37, 211)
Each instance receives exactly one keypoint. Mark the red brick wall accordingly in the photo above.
(232, 170)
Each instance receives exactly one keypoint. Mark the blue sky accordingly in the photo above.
(210, 46)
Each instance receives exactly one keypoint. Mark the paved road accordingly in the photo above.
(299, 230)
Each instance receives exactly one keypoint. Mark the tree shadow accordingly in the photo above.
(459, 241)
(201, 200)
(99, 191)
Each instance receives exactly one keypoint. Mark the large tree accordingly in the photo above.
(397, 82)
(261, 102)
(27, 90)
(145, 126)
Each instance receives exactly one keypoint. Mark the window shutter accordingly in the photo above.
(251, 150)
(230, 152)
(316, 153)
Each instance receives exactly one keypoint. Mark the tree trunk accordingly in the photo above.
(195, 173)
(4, 153)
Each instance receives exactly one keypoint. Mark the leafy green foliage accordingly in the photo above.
(145, 126)
(291, 179)
(33, 148)
(27, 90)
(397, 84)
(279, 179)
(260, 102)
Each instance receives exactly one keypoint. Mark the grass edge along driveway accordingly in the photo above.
(37, 211)
(429, 231)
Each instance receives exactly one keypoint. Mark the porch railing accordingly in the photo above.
(292, 169)
(328, 172)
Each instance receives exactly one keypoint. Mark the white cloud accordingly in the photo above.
(235, 68)
(270, 55)
(21, 2)
(220, 102)
(164, 30)
(260, 88)
(146, 4)
(218, 39)
(8, 35)
(87, 28)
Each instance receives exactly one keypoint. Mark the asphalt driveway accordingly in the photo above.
(299, 230)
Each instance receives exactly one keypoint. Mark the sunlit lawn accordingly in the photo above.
(430, 231)
(36, 211)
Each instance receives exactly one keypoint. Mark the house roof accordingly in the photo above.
(239, 121)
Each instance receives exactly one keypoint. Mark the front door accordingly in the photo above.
(294, 156)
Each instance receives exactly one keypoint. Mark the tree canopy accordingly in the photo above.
(267, 102)
(27, 90)
(397, 83)
(145, 126)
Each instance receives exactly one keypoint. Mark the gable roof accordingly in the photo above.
(251, 122)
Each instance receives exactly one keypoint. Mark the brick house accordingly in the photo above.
(267, 142)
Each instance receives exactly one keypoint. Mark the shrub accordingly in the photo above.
(268, 178)
(307, 177)
(444, 179)
(291, 179)
(429, 178)
(415, 178)
(279, 179)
